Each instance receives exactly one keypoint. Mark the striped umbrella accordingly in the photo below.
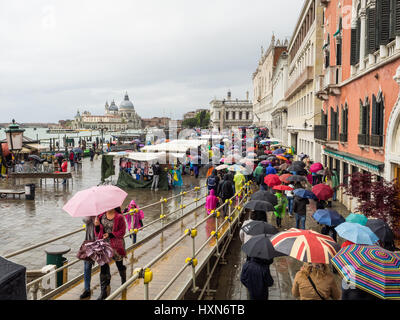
(370, 268)
(305, 245)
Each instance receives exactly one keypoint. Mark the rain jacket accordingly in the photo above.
(239, 180)
(137, 217)
(280, 208)
(257, 171)
(270, 170)
(326, 286)
(256, 277)
(225, 189)
(300, 205)
(211, 201)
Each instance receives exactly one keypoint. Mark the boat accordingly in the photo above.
(61, 130)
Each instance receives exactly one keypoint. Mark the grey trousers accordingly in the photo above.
(154, 185)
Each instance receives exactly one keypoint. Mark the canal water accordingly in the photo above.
(26, 222)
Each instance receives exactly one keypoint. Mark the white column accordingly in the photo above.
(363, 17)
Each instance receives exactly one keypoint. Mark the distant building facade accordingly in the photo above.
(114, 119)
(231, 114)
(159, 122)
(192, 114)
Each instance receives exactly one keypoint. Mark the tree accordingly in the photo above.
(377, 199)
(202, 120)
(189, 123)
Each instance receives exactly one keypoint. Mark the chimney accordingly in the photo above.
(229, 95)
(247, 95)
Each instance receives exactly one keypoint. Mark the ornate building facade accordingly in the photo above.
(114, 119)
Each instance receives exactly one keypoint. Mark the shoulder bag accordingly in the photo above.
(315, 288)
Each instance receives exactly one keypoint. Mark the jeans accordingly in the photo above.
(300, 221)
(154, 185)
(279, 222)
(87, 274)
(334, 195)
(290, 204)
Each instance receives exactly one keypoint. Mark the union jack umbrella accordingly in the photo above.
(305, 245)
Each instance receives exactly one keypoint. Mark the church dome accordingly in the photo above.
(126, 104)
(113, 106)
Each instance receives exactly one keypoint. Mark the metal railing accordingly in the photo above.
(35, 284)
(231, 218)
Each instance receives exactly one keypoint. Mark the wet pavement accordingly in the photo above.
(283, 270)
(28, 222)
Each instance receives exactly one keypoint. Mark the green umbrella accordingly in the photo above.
(357, 218)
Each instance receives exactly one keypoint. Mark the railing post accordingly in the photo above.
(147, 276)
(216, 231)
(193, 261)
(162, 211)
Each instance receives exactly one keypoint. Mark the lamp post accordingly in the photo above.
(14, 136)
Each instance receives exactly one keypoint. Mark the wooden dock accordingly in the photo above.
(41, 175)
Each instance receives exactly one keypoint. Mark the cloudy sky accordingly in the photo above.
(172, 56)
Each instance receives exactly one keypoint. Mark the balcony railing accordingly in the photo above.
(363, 139)
(297, 83)
(376, 140)
(320, 132)
(343, 137)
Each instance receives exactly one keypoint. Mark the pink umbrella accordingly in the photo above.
(94, 201)
(316, 167)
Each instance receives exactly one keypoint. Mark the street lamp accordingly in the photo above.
(14, 135)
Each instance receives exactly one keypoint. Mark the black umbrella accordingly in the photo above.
(295, 167)
(258, 205)
(300, 163)
(35, 157)
(260, 247)
(263, 157)
(254, 228)
(296, 178)
(265, 196)
(381, 229)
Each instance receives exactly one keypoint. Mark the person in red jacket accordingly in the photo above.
(64, 168)
(111, 226)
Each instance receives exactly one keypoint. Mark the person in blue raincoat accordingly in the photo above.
(270, 170)
(176, 177)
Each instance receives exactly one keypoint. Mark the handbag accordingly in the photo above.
(315, 288)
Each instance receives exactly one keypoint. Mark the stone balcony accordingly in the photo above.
(328, 84)
(298, 83)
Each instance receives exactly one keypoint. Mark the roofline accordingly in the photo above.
(299, 20)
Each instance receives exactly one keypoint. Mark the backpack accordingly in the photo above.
(212, 182)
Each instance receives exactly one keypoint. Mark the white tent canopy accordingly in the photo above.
(180, 146)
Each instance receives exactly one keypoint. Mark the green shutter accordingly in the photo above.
(353, 47)
(361, 118)
(371, 28)
(385, 21)
(397, 18)
(374, 116)
(358, 38)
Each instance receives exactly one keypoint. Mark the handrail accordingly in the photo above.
(83, 228)
(179, 239)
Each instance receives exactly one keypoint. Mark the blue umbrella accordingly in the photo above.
(357, 218)
(303, 193)
(77, 150)
(328, 217)
(356, 233)
(220, 146)
(279, 151)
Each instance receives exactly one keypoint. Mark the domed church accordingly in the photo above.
(115, 118)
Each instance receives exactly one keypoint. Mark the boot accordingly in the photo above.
(122, 273)
(85, 294)
(105, 286)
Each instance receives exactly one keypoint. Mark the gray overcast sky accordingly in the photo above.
(172, 56)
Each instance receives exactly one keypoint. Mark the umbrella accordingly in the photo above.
(299, 163)
(236, 168)
(94, 201)
(77, 150)
(322, 191)
(5, 150)
(294, 167)
(265, 162)
(303, 193)
(265, 196)
(284, 166)
(284, 177)
(305, 245)
(222, 167)
(370, 268)
(254, 228)
(268, 152)
(328, 217)
(220, 146)
(279, 151)
(321, 172)
(272, 180)
(260, 247)
(297, 178)
(282, 188)
(34, 157)
(381, 229)
(258, 205)
(263, 157)
(357, 218)
(99, 251)
(252, 155)
(58, 155)
(281, 157)
(316, 167)
(251, 149)
(356, 233)
(141, 145)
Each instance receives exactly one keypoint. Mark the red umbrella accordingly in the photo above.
(272, 180)
(322, 191)
(284, 177)
(316, 167)
(4, 148)
(268, 152)
(251, 149)
(282, 188)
